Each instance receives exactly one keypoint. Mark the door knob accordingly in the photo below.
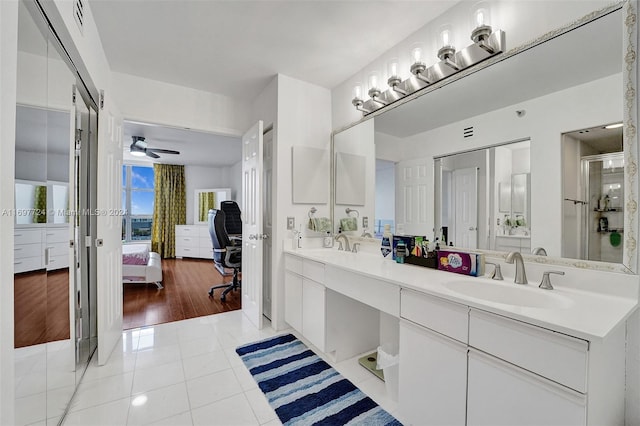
(253, 236)
(264, 237)
(471, 228)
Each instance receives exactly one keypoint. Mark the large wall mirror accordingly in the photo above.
(513, 137)
(52, 285)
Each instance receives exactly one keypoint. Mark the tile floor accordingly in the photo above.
(187, 373)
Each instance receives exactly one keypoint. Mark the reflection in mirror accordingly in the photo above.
(571, 81)
(593, 193)
(206, 199)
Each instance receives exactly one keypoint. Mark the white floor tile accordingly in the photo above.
(199, 346)
(31, 409)
(119, 363)
(30, 384)
(149, 357)
(353, 371)
(260, 406)
(182, 419)
(233, 357)
(159, 404)
(195, 330)
(146, 379)
(245, 378)
(102, 391)
(110, 414)
(274, 422)
(57, 400)
(213, 387)
(376, 390)
(204, 364)
(230, 411)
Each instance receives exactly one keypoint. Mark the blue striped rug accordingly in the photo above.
(305, 390)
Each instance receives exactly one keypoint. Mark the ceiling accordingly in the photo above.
(196, 148)
(236, 47)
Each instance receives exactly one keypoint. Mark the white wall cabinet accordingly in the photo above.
(193, 241)
(503, 394)
(433, 377)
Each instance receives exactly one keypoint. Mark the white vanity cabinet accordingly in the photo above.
(462, 365)
(57, 247)
(304, 308)
(28, 249)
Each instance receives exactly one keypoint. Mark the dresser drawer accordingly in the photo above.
(57, 262)
(58, 249)
(27, 250)
(553, 355)
(448, 318)
(60, 235)
(205, 253)
(27, 236)
(182, 251)
(187, 241)
(28, 264)
(188, 231)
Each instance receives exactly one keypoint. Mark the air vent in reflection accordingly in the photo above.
(467, 132)
(78, 13)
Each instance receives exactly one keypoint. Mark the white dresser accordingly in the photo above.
(39, 247)
(193, 241)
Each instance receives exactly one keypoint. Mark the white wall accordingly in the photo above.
(141, 99)
(8, 65)
(522, 20)
(199, 177)
(301, 115)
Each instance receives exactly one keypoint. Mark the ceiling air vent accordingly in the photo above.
(467, 132)
(78, 13)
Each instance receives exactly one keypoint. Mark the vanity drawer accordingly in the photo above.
(182, 251)
(448, 318)
(382, 295)
(313, 270)
(293, 264)
(553, 355)
(27, 264)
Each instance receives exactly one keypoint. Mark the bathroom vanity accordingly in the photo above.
(472, 350)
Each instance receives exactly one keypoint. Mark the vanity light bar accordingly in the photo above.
(471, 55)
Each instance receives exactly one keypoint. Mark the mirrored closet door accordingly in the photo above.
(52, 282)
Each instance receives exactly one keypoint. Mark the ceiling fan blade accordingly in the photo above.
(163, 151)
(151, 154)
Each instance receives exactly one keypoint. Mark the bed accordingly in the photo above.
(140, 265)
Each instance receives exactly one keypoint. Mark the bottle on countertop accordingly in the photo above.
(385, 248)
(401, 252)
(327, 242)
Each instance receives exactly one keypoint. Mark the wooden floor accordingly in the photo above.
(41, 307)
(186, 283)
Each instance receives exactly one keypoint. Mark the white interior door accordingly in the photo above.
(109, 230)
(465, 189)
(252, 232)
(267, 223)
(412, 189)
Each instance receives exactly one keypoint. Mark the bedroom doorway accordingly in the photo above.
(210, 161)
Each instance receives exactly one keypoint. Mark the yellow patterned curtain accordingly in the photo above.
(40, 205)
(207, 202)
(169, 208)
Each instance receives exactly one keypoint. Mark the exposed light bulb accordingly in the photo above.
(393, 69)
(357, 91)
(445, 37)
(479, 17)
(416, 53)
(373, 81)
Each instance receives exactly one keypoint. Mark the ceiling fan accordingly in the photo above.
(139, 148)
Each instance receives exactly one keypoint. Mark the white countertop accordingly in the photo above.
(584, 314)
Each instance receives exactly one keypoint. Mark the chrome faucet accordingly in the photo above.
(521, 276)
(346, 242)
(539, 251)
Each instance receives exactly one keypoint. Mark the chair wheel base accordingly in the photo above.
(211, 293)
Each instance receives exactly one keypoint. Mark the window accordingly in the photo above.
(137, 199)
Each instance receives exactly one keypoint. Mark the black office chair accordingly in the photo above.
(233, 219)
(226, 253)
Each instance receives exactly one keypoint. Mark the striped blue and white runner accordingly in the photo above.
(305, 390)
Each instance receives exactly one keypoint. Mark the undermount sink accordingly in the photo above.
(509, 294)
